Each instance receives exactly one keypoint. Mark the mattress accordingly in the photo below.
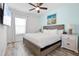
(42, 39)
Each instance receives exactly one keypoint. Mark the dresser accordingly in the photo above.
(71, 42)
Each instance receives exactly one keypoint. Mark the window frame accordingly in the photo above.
(20, 25)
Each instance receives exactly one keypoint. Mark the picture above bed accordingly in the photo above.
(51, 19)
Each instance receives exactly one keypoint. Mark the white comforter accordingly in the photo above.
(42, 39)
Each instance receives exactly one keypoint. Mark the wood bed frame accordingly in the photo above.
(43, 51)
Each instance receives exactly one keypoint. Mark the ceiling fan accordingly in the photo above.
(37, 7)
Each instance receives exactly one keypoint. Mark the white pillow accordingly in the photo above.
(54, 31)
(60, 32)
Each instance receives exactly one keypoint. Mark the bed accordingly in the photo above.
(43, 43)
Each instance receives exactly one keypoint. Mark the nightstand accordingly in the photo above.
(70, 41)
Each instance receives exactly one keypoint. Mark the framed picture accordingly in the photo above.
(51, 19)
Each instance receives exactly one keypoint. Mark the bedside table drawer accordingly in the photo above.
(65, 43)
(70, 42)
(69, 37)
(65, 36)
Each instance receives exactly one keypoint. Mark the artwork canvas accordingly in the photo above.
(51, 19)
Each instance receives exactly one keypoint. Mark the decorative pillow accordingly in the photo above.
(60, 32)
(54, 31)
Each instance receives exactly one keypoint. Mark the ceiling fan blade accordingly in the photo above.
(37, 4)
(43, 8)
(32, 4)
(38, 11)
(40, 4)
(31, 9)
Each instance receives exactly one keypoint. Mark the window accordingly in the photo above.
(20, 25)
(7, 15)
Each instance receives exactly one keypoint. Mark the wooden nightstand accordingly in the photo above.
(70, 42)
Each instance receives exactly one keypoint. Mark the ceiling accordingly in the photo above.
(24, 7)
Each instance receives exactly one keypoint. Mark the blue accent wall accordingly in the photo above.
(68, 14)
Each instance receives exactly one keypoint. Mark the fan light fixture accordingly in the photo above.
(37, 8)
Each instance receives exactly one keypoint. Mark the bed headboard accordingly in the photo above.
(59, 27)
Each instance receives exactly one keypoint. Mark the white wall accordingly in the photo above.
(3, 39)
(68, 14)
(33, 23)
